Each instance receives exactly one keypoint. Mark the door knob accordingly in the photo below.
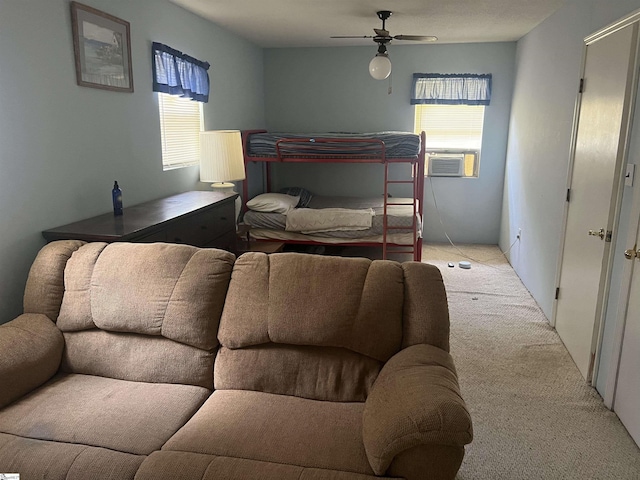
(597, 233)
(631, 253)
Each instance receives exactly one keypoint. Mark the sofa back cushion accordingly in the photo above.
(144, 312)
(311, 326)
(45, 283)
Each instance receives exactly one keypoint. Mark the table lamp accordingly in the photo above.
(222, 161)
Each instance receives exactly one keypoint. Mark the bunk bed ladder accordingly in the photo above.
(415, 248)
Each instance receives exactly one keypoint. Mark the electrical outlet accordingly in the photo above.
(519, 236)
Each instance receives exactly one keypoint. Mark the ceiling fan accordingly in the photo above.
(380, 65)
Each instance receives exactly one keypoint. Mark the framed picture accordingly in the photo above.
(102, 47)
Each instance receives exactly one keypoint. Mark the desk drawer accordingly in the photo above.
(224, 242)
(203, 228)
(219, 221)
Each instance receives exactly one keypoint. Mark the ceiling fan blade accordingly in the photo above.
(381, 32)
(417, 38)
(351, 36)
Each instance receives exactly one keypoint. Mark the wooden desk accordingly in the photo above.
(202, 219)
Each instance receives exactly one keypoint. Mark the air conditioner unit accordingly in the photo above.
(446, 165)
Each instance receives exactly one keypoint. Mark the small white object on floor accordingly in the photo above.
(465, 265)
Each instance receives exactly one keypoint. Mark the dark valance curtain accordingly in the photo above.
(451, 89)
(178, 74)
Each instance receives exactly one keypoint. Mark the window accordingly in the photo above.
(181, 122)
(449, 108)
(182, 83)
(452, 129)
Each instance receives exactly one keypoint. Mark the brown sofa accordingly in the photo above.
(169, 361)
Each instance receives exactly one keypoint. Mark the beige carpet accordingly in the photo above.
(533, 415)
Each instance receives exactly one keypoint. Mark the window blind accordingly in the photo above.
(456, 127)
(180, 126)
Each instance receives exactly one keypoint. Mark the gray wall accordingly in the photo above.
(548, 70)
(62, 146)
(329, 89)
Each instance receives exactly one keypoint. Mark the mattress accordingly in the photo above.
(397, 216)
(397, 144)
(281, 235)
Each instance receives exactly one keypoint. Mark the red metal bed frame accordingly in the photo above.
(351, 150)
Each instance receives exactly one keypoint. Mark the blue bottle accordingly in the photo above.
(116, 194)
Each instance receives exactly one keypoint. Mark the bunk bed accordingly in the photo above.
(395, 224)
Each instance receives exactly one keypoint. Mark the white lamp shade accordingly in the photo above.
(380, 66)
(221, 158)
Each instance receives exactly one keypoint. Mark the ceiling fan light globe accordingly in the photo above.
(380, 67)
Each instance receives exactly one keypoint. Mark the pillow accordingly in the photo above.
(273, 202)
(304, 194)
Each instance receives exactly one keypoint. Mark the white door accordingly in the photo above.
(627, 397)
(599, 147)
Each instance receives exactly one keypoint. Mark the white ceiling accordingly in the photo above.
(310, 23)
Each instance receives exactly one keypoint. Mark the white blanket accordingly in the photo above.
(311, 220)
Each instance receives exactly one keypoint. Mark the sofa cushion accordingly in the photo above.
(364, 314)
(64, 461)
(144, 312)
(310, 326)
(319, 373)
(176, 291)
(138, 358)
(119, 415)
(196, 466)
(45, 284)
(277, 428)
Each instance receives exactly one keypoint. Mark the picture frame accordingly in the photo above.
(102, 49)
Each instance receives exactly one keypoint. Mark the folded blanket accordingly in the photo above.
(311, 220)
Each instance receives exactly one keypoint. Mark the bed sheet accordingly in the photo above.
(281, 235)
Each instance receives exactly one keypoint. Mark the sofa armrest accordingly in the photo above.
(414, 401)
(30, 353)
